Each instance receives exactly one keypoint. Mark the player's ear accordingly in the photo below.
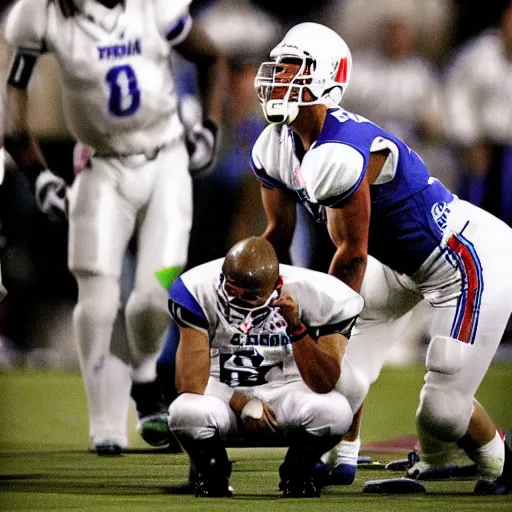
(279, 284)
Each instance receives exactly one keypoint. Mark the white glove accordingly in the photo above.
(201, 137)
(50, 193)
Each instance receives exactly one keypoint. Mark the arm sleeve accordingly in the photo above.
(264, 158)
(332, 172)
(25, 25)
(184, 308)
(173, 19)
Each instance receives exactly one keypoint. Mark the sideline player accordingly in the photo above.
(376, 197)
(119, 99)
(258, 335)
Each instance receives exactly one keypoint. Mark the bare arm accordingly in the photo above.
(281, 211)
(348, 228)
(192, 361)
(19, 141)
(212, 70)
(319, 360)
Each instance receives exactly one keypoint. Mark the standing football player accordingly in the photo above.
(260, 352)
(119, 99)
(376, 197)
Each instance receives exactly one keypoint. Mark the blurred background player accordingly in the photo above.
(479, 116)
(254, 334)
(377, 197)
(119, 99)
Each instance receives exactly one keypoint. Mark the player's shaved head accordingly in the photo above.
(252, 264)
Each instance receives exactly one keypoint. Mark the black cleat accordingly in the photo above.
(212, 487)
(299, 488)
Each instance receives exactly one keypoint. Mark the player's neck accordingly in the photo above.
(309, 124)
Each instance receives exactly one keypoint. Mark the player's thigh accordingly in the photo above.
(478, 317)
(100, 224)
(164, 232)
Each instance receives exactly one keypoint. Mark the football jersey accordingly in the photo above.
(118, 92)
(248, 355)
(408, 206)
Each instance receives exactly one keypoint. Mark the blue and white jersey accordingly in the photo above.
(118, 92)
(409, 207)
(253, 353)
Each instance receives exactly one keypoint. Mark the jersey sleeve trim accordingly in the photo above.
(344, 327)
(341, 200)
(262, 175)
(184, 307)
(179, 31)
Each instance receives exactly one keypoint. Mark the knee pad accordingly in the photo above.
(445, 355)
(147, 319)
(444, 412)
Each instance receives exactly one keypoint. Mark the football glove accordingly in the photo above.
(201, 137)
(51, 195)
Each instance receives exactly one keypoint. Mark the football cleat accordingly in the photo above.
(212, 487)
(342, 474)
(393, 486)
(152, 414)
(299, 488)
(107, 448)
(154, 429)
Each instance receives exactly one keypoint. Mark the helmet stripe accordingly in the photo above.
(341, 75)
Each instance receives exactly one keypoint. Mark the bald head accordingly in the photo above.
(252, 264)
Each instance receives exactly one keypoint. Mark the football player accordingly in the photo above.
(119, 99)
(376, 197)
(260, 351)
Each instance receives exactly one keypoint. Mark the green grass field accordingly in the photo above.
(45, 465)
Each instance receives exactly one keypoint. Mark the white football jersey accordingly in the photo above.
(118, 92)
(248, 354)
(479, 92)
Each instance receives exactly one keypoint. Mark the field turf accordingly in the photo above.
(45, 463)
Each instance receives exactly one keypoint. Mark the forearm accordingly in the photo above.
(212, 86)
(19, 142)
(319, 361)
(349, 267)
(192, 362)
(280, 243)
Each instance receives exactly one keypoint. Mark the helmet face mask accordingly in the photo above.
(311, 65)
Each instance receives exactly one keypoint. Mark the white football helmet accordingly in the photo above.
(311, 65)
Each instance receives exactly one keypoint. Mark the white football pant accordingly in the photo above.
(294, 404)
(465, 328)
(111, 201)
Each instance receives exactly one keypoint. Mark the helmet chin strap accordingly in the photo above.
(280, 111)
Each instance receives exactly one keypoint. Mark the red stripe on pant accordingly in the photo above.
(468, 317)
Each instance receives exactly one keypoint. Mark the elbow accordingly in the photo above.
(323, 385)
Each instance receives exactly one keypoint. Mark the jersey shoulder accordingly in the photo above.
(331, 173)
(323, 299)
(265, 155)
(25, 24)
(173, 19)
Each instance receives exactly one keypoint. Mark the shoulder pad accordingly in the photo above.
(25, 25)
(173, 19)
(332, 172)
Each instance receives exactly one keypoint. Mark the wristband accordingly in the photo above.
(300, 332)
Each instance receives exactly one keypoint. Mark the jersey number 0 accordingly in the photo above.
(124, 99)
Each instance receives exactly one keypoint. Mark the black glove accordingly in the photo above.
(50, 193)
